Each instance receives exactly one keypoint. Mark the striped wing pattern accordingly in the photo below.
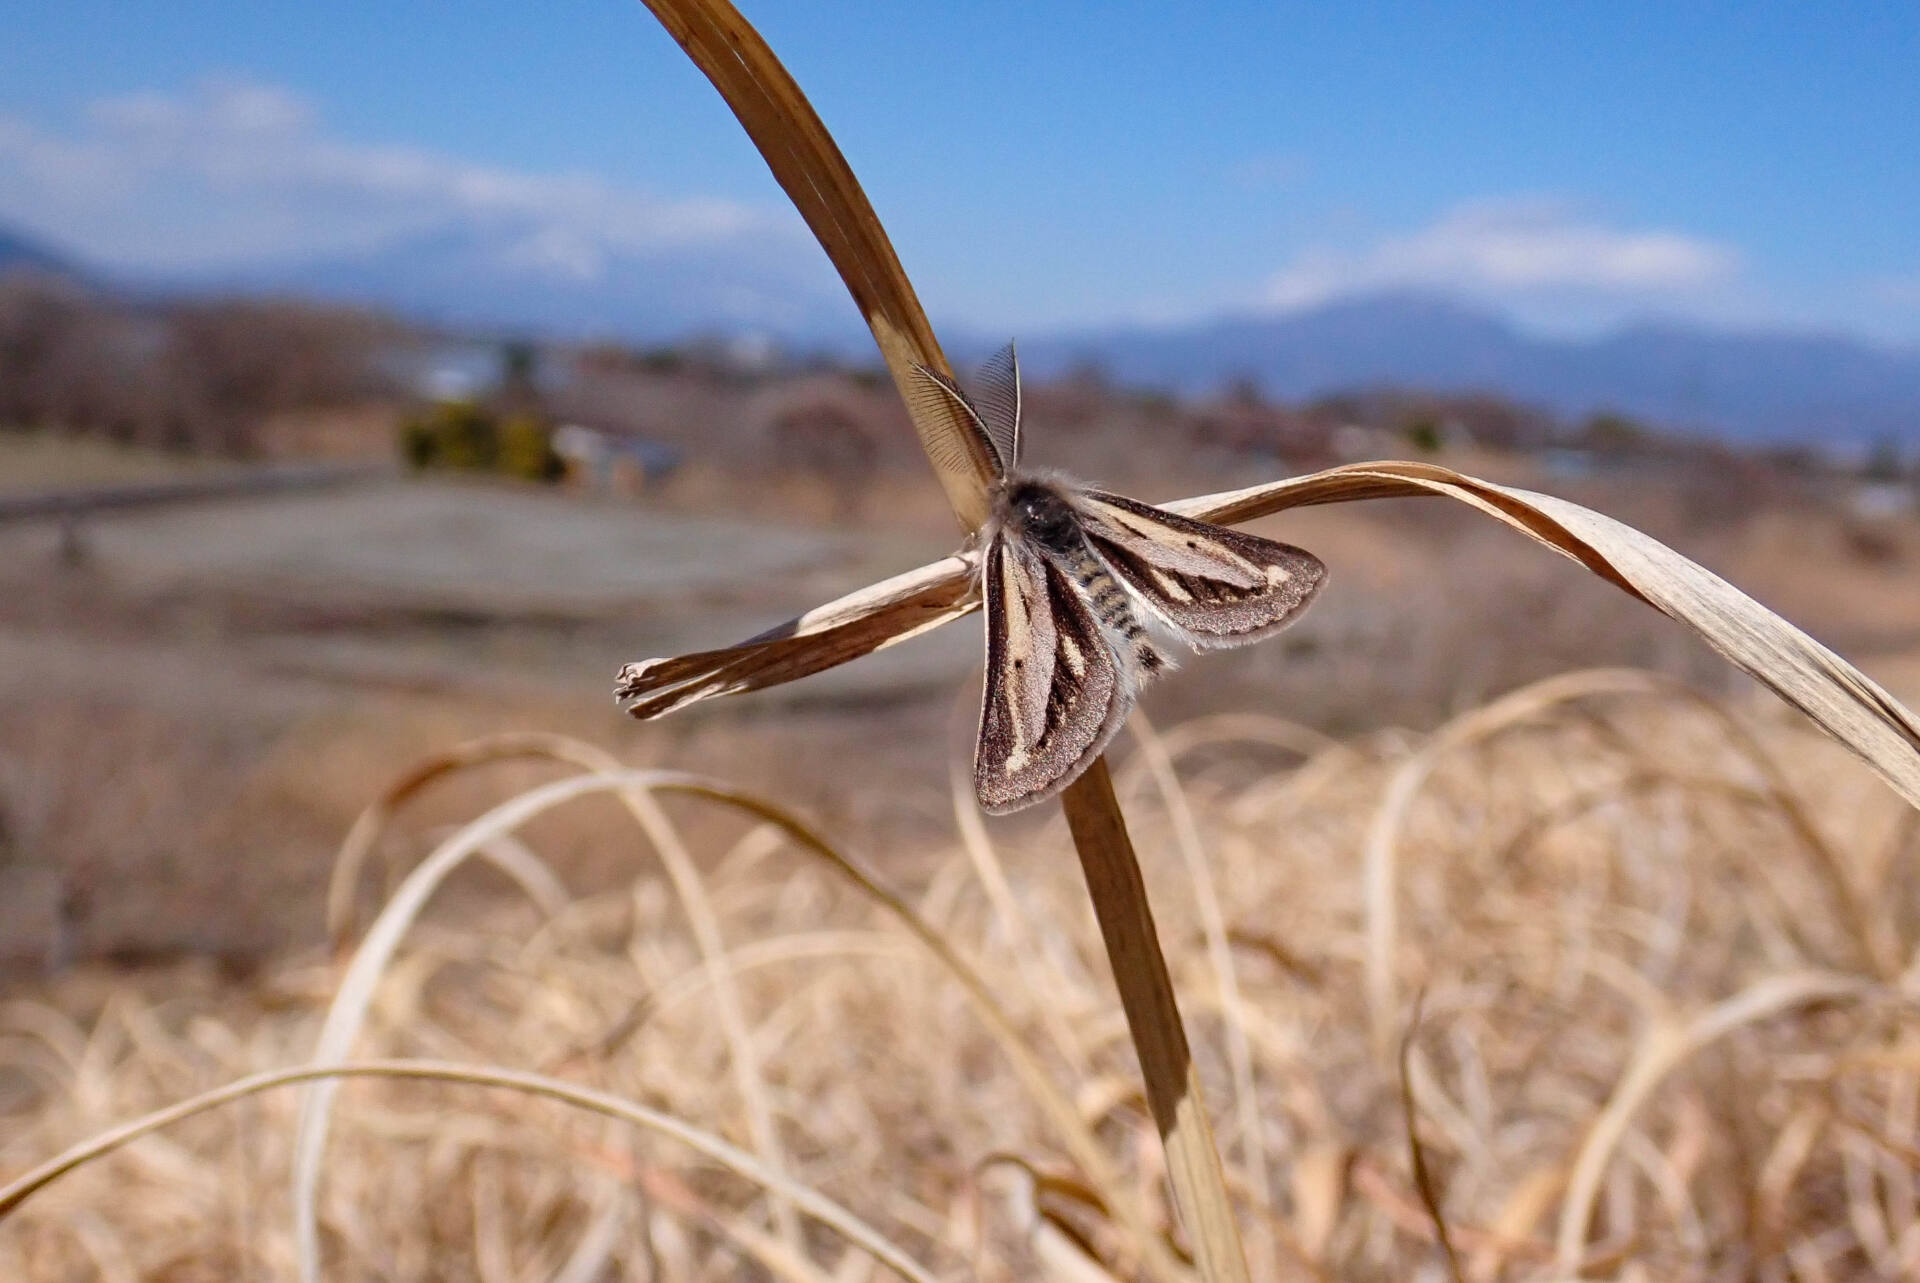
(1215, 587)
(1054, 693)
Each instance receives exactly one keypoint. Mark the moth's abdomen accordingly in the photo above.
(1111, 605)
(1103, 592)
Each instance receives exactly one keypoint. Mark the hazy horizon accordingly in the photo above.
(1042, 169)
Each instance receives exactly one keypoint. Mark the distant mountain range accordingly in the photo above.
(1762, 386)
(20, 253)
(1771, 386)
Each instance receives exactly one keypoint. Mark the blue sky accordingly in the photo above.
(1039, 165)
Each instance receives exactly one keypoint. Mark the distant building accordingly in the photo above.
(1881, 500)
(607, 461)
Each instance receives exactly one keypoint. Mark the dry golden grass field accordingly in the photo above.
(1480, 855)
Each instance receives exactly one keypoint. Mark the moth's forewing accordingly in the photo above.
(1085, 697)
(1027, 641)
(1216, 587)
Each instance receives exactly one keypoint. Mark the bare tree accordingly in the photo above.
(199, 376)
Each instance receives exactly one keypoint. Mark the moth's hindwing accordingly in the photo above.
(1053, 693)
(1216, 587)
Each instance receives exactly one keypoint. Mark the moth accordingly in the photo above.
(1073, 578)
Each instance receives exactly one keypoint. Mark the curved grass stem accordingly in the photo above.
(1153, 1017)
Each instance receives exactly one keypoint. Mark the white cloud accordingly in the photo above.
(234, 172)
(1510, 251)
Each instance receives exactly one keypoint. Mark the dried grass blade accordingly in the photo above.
(1157, 1260)
(1665, 1045)
(348, 1010)
(1153, 1018)
(813, 1203)
(1838, 697)
(1423, 1182)
(1381, 866)
(808, 165)
(1835, 695)
(357, 848)
(1213, 925)
(858, 624)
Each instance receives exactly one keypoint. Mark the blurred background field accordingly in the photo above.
(334, 453)
(203, 690)
(202, 687)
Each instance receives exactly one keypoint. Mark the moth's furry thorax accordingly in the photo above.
(1035, 506)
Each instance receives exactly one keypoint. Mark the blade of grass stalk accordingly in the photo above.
(1015, 930)
(384, 937)
(350, 861)
(587, 1262)
(1873, 948)
(1246, 728)
(1666, 1044)
(1842, 700)
(1871, 934)
(1028, 958)
(344, 1018)
(1583, 801)
(880, 948)
(1272, 802)
(1213, 926)
(1146, 993)
(1511, 1232)
(1081, 1144)
(1866, 1215)
(1318, 1185)
(529, 872)
(109, 1253)
(874, 618)
(779, 1259)
(690, 889)
(1381, 859)
(1416, 1152)
(356, 989)
(1874, 953)
(49, 1027)
(681, 869)
(1062, 1257)
(1785, 1158)
(1402, 1210)
(492, 1258)
(808, 165)
(779, 951)
(813, 1203)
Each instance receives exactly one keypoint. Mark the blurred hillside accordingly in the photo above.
(203, 678)
(1827, 390)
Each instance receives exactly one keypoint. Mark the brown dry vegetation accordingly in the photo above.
(1584, 883)
(1664, 1031)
